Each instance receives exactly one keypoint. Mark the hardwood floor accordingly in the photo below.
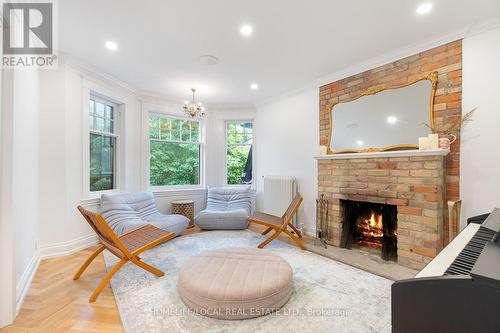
(57, 303)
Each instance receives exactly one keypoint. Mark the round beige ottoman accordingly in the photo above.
(235, 283)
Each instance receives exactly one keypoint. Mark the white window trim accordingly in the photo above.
(252, 185)
(89, 93)
(148, 157)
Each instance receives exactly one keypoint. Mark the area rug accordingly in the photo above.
(329, 296)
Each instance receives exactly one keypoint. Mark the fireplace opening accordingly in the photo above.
(370, 225)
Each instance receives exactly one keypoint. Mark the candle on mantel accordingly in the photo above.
(433, 141)
(423, 143)
(322, 150)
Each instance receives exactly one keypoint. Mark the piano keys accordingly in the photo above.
(459, 290)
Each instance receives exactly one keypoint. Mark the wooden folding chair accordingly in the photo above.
(280, 224)
(126, 247)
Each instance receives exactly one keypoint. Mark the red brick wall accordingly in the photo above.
(446, 60)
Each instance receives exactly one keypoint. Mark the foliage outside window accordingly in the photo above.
(174, 151)
(102, 144)
(239, 141)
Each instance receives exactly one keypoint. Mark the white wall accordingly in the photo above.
(480, 152)
(63, 149)
(287, 139)
(19, 192)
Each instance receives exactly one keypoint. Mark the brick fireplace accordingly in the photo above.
(447, 61)
(414, 184)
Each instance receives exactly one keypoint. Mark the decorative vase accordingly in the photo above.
(445, 141)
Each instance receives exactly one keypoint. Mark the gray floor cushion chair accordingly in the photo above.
(126, 212)
(227, 208)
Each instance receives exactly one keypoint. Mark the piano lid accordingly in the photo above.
(493, 221)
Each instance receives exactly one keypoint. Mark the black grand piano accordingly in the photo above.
(459, 290)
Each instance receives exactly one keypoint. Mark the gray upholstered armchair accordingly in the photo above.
(227, 208)
(126, 212)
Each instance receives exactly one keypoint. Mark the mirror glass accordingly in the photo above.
(389, 117)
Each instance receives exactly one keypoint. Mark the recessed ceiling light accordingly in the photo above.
(246, 30)
(392, 120)
(360, 142)
(208, 59)
(424, 8)
(112, 46)
(254, 86)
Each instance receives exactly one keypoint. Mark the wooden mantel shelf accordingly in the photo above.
(394, 153)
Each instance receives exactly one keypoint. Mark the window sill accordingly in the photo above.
(166, 192)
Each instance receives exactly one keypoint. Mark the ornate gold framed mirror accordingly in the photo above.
(383, 118)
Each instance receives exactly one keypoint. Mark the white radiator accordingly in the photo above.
(278, 194)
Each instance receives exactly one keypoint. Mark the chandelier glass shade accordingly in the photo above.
(193, 109)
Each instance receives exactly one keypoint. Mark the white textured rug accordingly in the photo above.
(329, 296)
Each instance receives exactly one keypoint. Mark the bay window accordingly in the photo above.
(239, 146)
(174, 151)
(103, 138)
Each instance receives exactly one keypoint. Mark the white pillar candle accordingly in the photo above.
(433, 141)
(423, 143)
(322, 150)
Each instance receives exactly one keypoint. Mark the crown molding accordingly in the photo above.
(482, 27)
(93, 73)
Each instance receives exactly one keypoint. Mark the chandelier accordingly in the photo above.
(193, 109)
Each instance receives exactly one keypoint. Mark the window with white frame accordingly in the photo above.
(174, 151)
(239, 146)
(103, 139)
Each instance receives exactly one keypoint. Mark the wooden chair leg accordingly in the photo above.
(265, 232)
(147, 267)
(106, 280)
(297, 231)
(296, 240)
(87, 262)
(270, 239)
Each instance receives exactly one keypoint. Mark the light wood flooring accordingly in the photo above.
(56, 303)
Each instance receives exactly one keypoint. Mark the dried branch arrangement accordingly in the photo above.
(453, 127)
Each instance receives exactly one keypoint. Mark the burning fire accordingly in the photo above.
(372, 227)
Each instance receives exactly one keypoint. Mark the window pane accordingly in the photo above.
(99, 124)
(91, 122)
(91, 107)
(176, 135)
(174, 163)
(185, 134)
(109, 112)
(165, 134)
(195, 137)
(231, 127)
(99, 109)
(248, 127)
(154, 127)
(102, 155)
(164, 124)
(239, 164)
(176, 124)
(194, 126)
(109, 126)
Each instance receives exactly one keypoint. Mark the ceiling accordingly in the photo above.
(293, 43)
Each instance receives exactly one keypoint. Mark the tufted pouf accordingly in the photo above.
(235, 283)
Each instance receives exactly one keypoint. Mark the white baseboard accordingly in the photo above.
(26, 278)
(67, 247)
(49, 251)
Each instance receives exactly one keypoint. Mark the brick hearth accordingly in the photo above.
(415, 184)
